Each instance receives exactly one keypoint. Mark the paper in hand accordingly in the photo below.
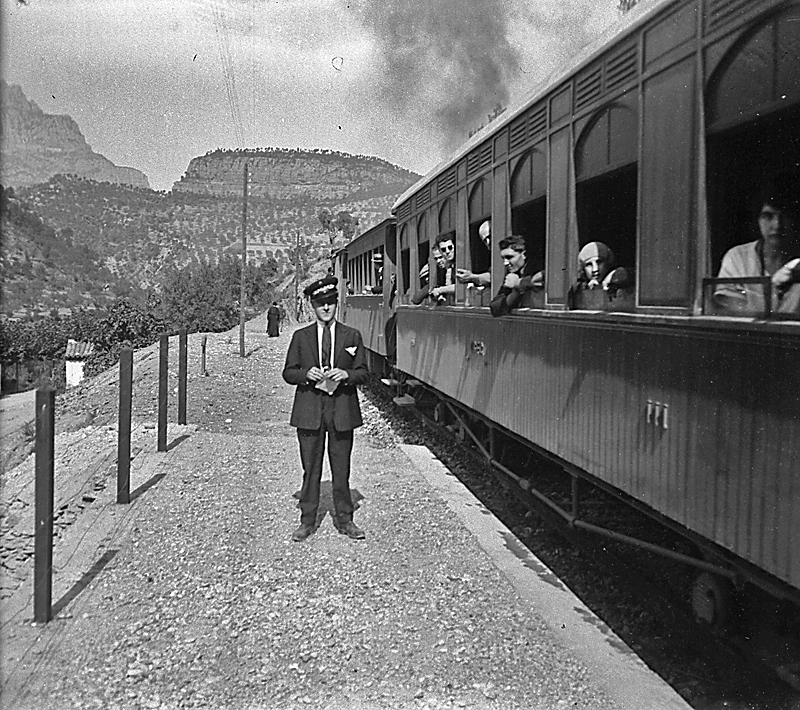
(326, 384)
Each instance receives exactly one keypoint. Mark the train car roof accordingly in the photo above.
(638, 15)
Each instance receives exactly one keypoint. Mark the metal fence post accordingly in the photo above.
(182, 375)
(43, 534)
(124, 434)
(203, 345)
(163, 372)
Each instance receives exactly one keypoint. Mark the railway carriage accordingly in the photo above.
(365, 269)
(653, 142)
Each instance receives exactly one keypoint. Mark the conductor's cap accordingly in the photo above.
(322, 290)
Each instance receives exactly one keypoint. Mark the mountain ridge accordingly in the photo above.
(286, 174)
(35, 146)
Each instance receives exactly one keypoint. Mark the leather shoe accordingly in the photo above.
(352, 530)
(302, 532)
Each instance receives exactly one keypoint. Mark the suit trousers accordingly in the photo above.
(312, 450)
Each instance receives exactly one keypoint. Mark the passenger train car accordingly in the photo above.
(653, 141)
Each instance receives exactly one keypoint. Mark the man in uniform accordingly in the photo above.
(326, 360)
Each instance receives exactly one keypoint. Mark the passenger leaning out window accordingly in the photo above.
(520, 279)
(774, 254)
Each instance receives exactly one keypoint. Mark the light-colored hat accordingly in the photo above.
(596, 250)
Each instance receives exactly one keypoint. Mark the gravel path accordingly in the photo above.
(208, 603)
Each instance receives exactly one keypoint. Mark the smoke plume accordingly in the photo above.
(455, 61)
(449, 58)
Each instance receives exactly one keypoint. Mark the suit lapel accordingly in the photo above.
(338, 346)
(313, 337)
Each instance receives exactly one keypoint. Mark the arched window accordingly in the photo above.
(479, 211)
(759, 75)
(423, 244)
(529, 203)
(447, 217)
(606, 180)
(405, 260)
(753, 128)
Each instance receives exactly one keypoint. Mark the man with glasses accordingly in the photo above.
(444, 243)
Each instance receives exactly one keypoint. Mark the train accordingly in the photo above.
(652, 141)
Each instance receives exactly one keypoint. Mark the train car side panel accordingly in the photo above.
(366, 313)
(666, 423)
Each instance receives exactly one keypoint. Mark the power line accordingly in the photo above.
(223, 44)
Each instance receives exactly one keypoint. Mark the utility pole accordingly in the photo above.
(297, 278)
(244, 264)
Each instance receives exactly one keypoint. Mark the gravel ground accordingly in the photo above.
(208, 603)
(656, 622)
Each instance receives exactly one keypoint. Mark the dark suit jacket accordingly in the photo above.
(349, 355)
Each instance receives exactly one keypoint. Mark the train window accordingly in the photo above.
(405, 260)
(447, 216)
(480, 243)
(423, 247)
(759, 74)
(606, 196)
(529, 204)
(753, 145)
(377, 270)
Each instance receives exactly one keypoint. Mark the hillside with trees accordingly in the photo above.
(43, 268)
(136, 234)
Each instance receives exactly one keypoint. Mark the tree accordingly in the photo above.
(346, 224)
(325, 219)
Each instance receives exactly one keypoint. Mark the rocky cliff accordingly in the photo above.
(286, 174)
(35, 145)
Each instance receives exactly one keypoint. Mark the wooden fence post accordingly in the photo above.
(124, 433)
(43, 534)
(163, 373)
(182, 375)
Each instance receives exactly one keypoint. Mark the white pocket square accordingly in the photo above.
(352, 350)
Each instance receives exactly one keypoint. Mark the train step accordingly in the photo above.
(405, 400)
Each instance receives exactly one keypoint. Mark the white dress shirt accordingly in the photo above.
(320, 327)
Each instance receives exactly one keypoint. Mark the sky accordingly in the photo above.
(155, 83)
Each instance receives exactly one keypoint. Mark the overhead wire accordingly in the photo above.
(223, 44)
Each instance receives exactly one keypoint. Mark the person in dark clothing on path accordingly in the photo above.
(273, 320)
(326, 360)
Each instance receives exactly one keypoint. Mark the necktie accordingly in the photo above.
(326, 346)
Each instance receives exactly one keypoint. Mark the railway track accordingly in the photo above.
(644, 597)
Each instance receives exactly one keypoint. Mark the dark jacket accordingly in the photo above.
(349, 355)
(508, 298)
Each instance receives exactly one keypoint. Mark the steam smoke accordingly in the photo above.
(450, 57)
(456, 60)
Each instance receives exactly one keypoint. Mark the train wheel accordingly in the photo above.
(712, 601)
